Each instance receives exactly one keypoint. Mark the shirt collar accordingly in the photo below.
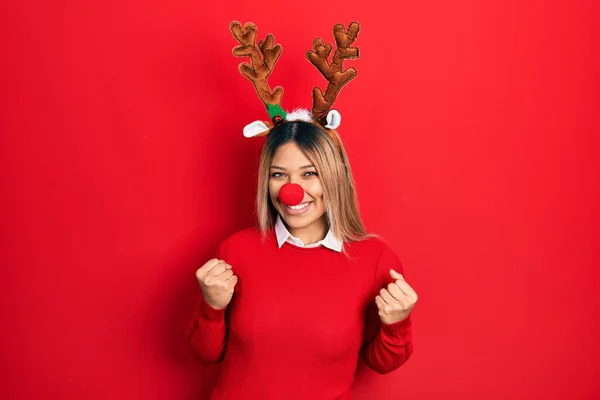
(283, 235)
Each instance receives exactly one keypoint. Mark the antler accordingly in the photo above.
(337, 78)
(263, 58)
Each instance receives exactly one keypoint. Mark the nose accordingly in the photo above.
(291, 194)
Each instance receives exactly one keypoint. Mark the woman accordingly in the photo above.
(290, 306)
(303, 311)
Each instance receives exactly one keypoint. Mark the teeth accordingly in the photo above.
(299, 206)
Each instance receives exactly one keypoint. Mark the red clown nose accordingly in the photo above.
(291, 194)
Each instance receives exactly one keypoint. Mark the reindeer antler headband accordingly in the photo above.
(263, 58)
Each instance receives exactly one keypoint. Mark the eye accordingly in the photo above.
(277, 175)
(311, 173)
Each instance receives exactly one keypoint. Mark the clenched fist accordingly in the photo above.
(217, 281)
(396, 301)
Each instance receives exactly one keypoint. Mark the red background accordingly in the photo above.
(123, 165)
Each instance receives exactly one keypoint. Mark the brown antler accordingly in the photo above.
(263, 58)
(337, 78)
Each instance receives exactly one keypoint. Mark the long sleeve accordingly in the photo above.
(207, 331)
(387, 346)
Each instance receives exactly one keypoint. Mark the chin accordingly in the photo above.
(299, 225)
(300, 221)
(296, 222)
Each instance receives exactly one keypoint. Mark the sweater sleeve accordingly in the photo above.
(387, 346)
(206, 332)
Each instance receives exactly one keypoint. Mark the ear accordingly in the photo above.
(333, 119)
(256, 128)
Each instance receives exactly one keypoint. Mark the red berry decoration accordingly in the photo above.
(291, 194)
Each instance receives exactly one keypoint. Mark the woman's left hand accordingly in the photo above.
(396, 301)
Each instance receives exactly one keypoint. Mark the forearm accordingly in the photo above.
(206, 333)
(391, 347)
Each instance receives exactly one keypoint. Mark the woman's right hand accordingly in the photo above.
(217, 281)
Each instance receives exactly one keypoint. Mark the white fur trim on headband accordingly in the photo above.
(299, 114)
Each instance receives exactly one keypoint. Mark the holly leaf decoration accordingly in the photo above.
(275, 110)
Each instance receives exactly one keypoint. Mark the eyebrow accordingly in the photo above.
(302, 167)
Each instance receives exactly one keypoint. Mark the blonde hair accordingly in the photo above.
(331, 162)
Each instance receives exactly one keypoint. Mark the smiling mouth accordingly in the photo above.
(299, 209)
(301, 206)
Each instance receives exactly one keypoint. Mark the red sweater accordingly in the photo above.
(299, 320)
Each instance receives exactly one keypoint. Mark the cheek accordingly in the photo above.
(274, 190)
(314, 189)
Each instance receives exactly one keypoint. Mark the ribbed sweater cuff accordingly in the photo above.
(208, 313)
(397, 329)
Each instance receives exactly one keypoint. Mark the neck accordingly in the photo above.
(312, 233)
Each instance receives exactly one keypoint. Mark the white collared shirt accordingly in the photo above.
(283, 235)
